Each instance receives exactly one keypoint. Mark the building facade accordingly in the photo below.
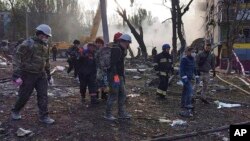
(233, 13)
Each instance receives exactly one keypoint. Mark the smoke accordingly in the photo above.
(194, 22)
(158, 33)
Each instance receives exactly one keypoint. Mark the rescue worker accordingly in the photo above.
(116, 79)
(72, 54)
(32, 71)
(87, 73)
(187, 70)
(205, 61)
(163, 64)
(100, 79)
(54, 52)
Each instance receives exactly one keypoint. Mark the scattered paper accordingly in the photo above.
(163, 120)
(133, 95)
(140, 111)
(178, 122)
(22, 132)
(136, 77)
(57, 68)
(225, 105)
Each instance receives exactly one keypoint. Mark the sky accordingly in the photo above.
(155, 6)
(159, 33)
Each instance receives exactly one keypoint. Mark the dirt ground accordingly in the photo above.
(77, 121)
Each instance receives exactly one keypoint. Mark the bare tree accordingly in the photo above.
(138, 36)
(177, 13)
(234, 21)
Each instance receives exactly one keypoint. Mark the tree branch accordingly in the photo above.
(187, 7)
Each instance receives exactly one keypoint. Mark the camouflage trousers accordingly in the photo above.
(33, 81)
(116, 93)
(205, 80)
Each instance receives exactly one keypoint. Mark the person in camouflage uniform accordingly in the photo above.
(205, 61)
(32, 71)
(100, 76)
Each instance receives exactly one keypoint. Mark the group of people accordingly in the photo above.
(194, 64)
(100, 68)
(31, 70)
(198, 65)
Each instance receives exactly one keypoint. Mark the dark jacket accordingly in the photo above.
(73, 52)
(54, 50)
(117, 60)
(187, 67)
(163, 63)
(87, 63)
(205, 61)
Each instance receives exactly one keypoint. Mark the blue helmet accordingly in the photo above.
(165, 46)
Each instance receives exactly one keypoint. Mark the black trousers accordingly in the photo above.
(33, 81)
(54, 56)
(73, 65)
(87, 80)
(163, 85)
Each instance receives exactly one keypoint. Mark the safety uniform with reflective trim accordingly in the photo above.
(163, 64)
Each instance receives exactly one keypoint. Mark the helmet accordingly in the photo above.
(165, 46)
(126, 37)
(76, 42)
(117, 36)
(45, 29)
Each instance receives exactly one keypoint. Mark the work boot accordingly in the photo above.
(124, 115)
(15, 115)
(189, 106)
(47, 120)
(186, 113)
(109, 117)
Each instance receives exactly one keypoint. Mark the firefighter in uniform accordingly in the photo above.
(163, 64)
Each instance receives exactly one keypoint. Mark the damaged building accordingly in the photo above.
(236, 14)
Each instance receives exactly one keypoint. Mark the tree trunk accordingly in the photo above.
(174, 38)
(228, 43)
(138, 38)
(179, 28)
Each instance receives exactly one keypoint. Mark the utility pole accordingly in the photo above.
(103, 4)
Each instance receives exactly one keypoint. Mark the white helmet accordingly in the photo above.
(126, 37)
(45, 29)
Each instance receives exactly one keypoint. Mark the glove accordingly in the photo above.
(184, 79)
(214, 74)
(116, 81)
(18, 82)
(197, 79)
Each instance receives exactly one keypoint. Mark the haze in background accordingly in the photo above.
(158, 33)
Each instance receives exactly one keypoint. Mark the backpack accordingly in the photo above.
(104, 58)
(108, 56)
